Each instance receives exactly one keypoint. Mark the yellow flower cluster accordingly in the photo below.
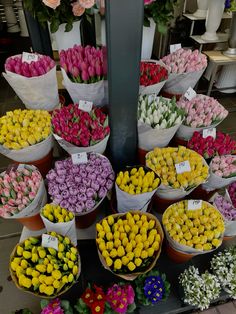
(55, 213)
(45, 270)
(22, 128)
(136, 181)
(201, 229)
(128, 242)
(163, 161)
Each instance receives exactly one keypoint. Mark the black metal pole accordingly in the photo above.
(124, 22)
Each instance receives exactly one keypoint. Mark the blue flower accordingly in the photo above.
(154, 288)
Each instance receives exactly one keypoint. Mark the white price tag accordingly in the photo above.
(85, 105)
(194, 204)
(209, 132)
(175, 47)
(29, 57)
(49, 241)
(190, 94)
(79, 158)
(182, 167)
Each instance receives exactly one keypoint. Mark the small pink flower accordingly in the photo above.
(87, 4)
(77, 10)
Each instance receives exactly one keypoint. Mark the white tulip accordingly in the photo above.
(143, 106)
(156, 119)
(163, 124)
(147, 121)
(157, 127)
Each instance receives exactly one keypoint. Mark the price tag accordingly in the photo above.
(190, 94)
(85, 105)
(209, 132)
(29, 57)
(175, 47)
(182, 167)
(49, 241)
(79, 158)
(194, 204)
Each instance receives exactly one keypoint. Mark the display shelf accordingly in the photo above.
(221, 38)
(226, 15)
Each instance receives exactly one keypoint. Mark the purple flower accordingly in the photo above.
(154, 288)
(72, 199)
(51, 175)
(105, 162)
(90, 192)
(57, 199)
(89, 168)
(82, 197)
(77, 179)
(95, 185)
(70, 184)
(82, 167)
(97, 161)
(86, 182)
(90, 204)
(73, 191)
(109, 184)
(102, 192)
(98, 170)
(80, 207)
(59, 164)
(64, 204)
(105, 174)
(61, 172)
(92, 156)
(72, 208)
(83, 173)
(112, 176)
(62, 186)
(92, 176)
(65, 194)
(82, 188)
(60, 179)
(53, 190)
(75, 169)
(101, 181)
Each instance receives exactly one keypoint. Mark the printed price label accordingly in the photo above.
(79, 158)
(194, 204)
(190, 94)
(49, 241)
(29, 57)
(85, 105)
(209, 132)
(175, 47)
(182, 167)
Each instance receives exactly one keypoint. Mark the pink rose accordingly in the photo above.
(77, 9)
(87, 4)
(52, 3)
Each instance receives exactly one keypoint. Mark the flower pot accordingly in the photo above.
(214, 15)
(148, 38)
(32, 223)
(231, 51)
(161, 204)
(65, 40)
(178, 256)
(85, 220)
(202, 8)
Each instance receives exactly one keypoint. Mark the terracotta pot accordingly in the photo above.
(86, 220)
(160, 204)
(141, 156)
(178, 256)
(167, 95)
(32, 223)
(200, 193)
(44, 164)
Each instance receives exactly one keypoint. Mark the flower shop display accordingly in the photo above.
(129, 244)
(60, 220)
(202, 112)
(210, 147)
(151, 288)
(46, 266)
(158, 120)
(135, 188)
(25, 135)
(186, 67)
(181, 170)
(222, 172)
(199, 289)
(22, 193)
(228, 211)
(223, 266)
(84, 72)
(80, 188)
(80, 131)
(232, 193)
(153, 75)
(33, 78)
(55, 306)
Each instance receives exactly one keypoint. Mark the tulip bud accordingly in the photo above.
(85, 76)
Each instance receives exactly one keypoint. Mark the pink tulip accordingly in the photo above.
(85, 76)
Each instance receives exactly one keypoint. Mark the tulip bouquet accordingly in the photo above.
(158, 120)
(79, 131)
(20, 190)
(232, 193)
(186, 67)
(84, 73)
(202, 112)
(34, 82)
(45, 270)
(25, 135)
(129, 244)
(80, 188)
(193, 229)
(181, 170)
(209, 147)
(222, 172)
(135, 188)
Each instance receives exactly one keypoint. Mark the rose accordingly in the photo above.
(52, 3)
(77, 10)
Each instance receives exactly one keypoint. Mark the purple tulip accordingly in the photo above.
(51, 175)
(98, 170)
(83, 173)
(112, 176)
(90, 192)
(82, 197)
(73, 191)
(75, 169)
(70, 184)
(59, 164)
(86, 182)
(61, 172)
(72, 208)
(64, 204)
(65, 194)
(89, 168)
(62, 186)
(72, 199)
(57, 199)
(90, 204)
(92, 176)
(60, 179)
(97, 161)
(109, 184)
(82, 188)
(53, 190)
(105, 173)
(78, 179)
(101, 181)
(95, 185)
(102, 192)
(80, 206)
(92, 157)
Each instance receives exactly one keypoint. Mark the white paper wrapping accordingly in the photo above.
(126, 201)
(179, 83)
(39, 92)
(72, 149)
(67, 229)
(149, 138)
(31, 153)
(94, 92)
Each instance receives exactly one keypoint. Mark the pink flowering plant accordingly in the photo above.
(18, 188)
(232, 193)
(78, 127)
(56, 306)
(224, 166)
(83, 64)
(202, 111)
